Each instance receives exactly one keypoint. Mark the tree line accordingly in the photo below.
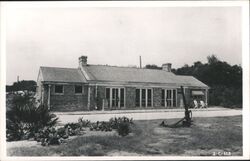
(224, 80)
(23, 85)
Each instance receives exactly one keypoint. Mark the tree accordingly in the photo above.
(152, 66)
(24, 118)
(28, 85)
(224, 80)
(212, 59)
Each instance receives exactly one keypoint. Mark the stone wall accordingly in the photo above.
(68, 101)
(157, 97)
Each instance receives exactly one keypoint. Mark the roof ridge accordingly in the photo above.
(123, 67)
(57, 67)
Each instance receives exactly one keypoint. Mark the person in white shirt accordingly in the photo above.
(202, 103)
(195, 104)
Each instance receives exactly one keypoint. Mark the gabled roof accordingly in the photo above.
(55, 74)
(190, 81)
(104, 73)
(128, 74)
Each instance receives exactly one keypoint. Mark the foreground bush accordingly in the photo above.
(24, 119)
(121, 124)
(124, 128)
(51, 136)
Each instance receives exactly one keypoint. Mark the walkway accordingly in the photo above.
(65, 117)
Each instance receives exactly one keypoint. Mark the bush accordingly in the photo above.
(51, 136)
(101, 126)
(121, 124)
(124, 128)
(24, 119)
(116, 121)
(83, 123)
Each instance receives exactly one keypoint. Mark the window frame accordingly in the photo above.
(57, 92)
(75, 90)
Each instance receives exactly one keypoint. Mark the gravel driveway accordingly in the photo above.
(65, 117)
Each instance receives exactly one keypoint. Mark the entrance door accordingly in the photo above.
(168, 97)
(115, 97)
(143, 97)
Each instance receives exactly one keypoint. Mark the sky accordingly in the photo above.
(56, 37)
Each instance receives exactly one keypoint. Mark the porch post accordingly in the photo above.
(110, 100)
(165, 97)
(96, 97)
(124, 98)
(42, 93)
(176, 93)
(88, 98)
(140, 97)
(119, 97)
(206, 95)
(172, 98)
(49, 97)
(95, 90)
(146, 100)
(152, 97)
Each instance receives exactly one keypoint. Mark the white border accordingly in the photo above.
(2, 80)
(245, 65)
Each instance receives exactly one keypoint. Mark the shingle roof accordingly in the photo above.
(128, 74)
(117, 74)
(56, 74)
(189, 81)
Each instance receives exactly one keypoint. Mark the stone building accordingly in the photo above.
(103, 87)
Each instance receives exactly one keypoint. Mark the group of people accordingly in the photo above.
(200, 104)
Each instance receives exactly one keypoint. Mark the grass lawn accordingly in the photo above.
(208, 136)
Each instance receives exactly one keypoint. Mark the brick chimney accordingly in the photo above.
(167, 67)
(83, 61)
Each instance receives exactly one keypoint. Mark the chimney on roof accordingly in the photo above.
(83, 61)
(166, 67)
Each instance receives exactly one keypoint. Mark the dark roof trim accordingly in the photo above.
(57, 82)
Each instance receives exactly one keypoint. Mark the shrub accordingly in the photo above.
(121, 124)
(51, 136)
(124, 128)
(116, 121)
(24, 119)
(83, 123)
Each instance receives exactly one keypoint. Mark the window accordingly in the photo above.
(58, 88)
(122, 97)
(168, 97)
(78, 89)
(137, 97)
(108, 96)
(143, 97)
(149, 97)
(163, 97)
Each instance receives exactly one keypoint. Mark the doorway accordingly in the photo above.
(115, 97)
(168, 97)
(143, 97)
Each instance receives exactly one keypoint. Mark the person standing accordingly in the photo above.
(195, 103)
(202, 104)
